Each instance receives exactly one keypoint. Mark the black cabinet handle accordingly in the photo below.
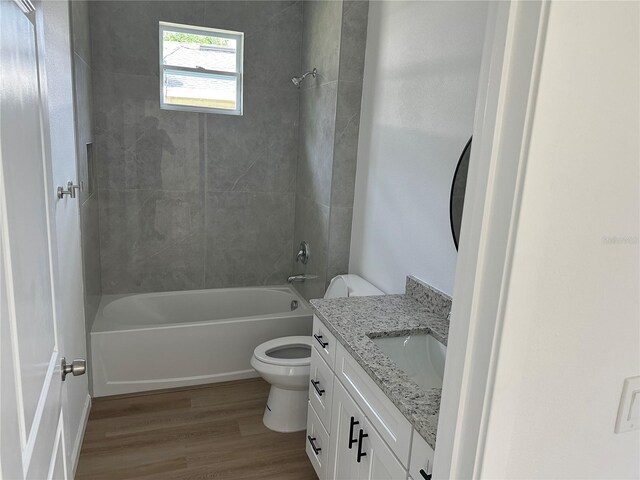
(320, 341)
(312, 442)
(425, 475)
(352, 424)
(361, 454)
(315, 385)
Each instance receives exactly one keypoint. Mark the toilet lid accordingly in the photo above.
(289, 351)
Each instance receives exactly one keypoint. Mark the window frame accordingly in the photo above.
(207, 31)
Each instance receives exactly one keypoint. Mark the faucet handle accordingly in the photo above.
(304, 252)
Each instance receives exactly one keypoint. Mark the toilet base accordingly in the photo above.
(286, 410)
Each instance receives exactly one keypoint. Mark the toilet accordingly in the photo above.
(285, 363)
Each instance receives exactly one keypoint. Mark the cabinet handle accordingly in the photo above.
(320, 341)
(425, 475)
(352, 424)
(361, 454)
(315, 385)
(312, 442)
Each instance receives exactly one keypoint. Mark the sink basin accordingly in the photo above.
(420, 356)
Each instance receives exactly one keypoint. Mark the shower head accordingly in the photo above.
(298, 80)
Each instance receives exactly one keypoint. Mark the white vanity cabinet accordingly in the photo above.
(354, 432)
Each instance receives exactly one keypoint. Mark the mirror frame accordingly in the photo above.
(453, 182)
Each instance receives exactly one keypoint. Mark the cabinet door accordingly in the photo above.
(317, 447)
(347, 419)
(421, 458)
(378, 461)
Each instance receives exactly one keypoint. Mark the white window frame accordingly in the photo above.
(190, 29)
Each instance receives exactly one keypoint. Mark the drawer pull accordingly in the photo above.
(352, 424)
(312, 442)
(320, 341)
(425, 475)
(315, 385)
(361, 454)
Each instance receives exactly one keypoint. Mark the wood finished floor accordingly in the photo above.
(212, 432)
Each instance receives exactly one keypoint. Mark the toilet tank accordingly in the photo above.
(350, 286)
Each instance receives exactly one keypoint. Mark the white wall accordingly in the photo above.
(572, 320)
(420, 81)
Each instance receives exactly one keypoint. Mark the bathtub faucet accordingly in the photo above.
(300, 277)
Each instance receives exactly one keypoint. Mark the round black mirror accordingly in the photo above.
(458, 187)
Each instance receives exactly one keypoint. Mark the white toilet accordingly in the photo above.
(284, 363)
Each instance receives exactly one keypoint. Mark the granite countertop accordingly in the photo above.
(355, 320)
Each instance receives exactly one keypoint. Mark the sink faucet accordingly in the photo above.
(300, 277)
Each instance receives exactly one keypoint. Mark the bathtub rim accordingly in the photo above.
(101, 326)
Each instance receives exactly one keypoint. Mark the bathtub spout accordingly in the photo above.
(300, 277)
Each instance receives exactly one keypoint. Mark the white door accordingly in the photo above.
(347, 419)
(33, 426)
(53, 21)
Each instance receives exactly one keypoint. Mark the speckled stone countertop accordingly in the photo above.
(355, 320)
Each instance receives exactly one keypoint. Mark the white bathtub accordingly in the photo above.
(162, 340)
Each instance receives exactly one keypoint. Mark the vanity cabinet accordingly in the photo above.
(354, 432)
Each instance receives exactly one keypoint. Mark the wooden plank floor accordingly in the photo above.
(211, 432)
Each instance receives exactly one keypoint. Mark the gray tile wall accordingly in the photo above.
(334, 37)
(318, 97)
(192, 200)
(87, 173)
(352, 50)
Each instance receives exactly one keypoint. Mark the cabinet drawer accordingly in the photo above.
(324, 341)
(321, 388)
(317, 444)
(421, 458)
(394, 428)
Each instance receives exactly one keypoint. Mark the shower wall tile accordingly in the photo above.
(125, 34)
(311, 224)
(321, 40)
(256, 152)
(334, 40)
(339, 240)
(272, 48)
(345, 154)
(151, 240)
(248, 16)
(87, 175)
(346, 143)
(179, 267)
(248, 238)
(158, 169)
(85, 165)
(353, 40)
(90, 238)
(140, 145)
(80, 30)
(317, 133)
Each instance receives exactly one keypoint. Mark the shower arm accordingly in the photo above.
(313, 73)
(297, 80)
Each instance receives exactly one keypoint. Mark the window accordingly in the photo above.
(200, 69)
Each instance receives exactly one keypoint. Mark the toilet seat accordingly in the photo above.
(262, 351)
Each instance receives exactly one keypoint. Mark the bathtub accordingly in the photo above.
(173, 339)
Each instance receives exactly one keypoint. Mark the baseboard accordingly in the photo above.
(77, 444)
